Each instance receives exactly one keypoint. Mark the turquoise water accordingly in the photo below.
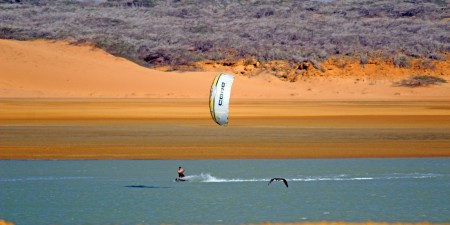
(224, 191)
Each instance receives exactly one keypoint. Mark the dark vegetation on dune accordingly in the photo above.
(420, 81)
(179, 32)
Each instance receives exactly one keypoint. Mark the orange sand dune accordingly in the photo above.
(46, 69)
(58, 69)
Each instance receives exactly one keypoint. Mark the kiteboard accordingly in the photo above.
(179, 179)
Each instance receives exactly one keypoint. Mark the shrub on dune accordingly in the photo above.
(420, 81)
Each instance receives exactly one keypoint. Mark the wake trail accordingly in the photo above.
(208, 178)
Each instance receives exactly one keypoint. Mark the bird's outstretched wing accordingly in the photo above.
(285, 182)
(271, 180)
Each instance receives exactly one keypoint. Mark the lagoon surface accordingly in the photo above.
(224, 191)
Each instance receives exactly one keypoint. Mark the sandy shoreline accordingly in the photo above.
(183, 129)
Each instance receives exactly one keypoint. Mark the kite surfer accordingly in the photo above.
(180, 172)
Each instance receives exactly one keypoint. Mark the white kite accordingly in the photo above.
(219, 98)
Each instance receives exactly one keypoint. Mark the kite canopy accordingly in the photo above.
(219, 98)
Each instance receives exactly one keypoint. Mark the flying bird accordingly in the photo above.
(279, 179)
